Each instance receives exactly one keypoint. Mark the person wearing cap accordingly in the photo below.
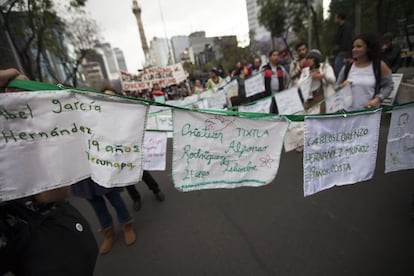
(322, 75)
(214, 78)
(390, 53)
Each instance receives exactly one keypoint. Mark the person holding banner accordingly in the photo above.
(296, 66)
(370, 78)
(214, 78)
(146, 176)
(241, 74)
(9, 74)
(276, 78)
(43, 229)
(95, 195)
(322, 75)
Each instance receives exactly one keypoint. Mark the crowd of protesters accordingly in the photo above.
(357, 61)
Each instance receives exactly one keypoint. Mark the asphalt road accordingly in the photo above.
(360, 229)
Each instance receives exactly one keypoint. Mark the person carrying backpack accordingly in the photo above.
(370, 78)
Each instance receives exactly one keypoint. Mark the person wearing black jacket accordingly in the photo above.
(390, 53)
(343, 42)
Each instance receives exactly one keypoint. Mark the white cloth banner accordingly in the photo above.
(339, 150)
(262, 106)
(254, 85)
(51, 139)
(214, 151)
(295, 133)
(288, 101)
(163, 76)
(155, 151)
(341, 100)
(400, 144)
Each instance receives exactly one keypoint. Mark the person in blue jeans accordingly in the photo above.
(96, 195)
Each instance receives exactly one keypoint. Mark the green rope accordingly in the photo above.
(28, 85)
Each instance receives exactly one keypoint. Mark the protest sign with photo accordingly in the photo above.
(400, 144)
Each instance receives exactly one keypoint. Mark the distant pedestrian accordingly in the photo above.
(390, 52)
(343, 42)
(257, 65)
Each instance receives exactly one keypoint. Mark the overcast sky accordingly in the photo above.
(181, 17)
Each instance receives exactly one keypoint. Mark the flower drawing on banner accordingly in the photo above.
(266, 161)
(218, 123)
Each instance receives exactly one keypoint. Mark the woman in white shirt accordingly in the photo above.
(370, 78)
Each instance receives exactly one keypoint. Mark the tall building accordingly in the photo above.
(206, 49)
(159, 52)
(260, 32)
(110, 60)
(137, 12)
(121, 59)
(180, 45)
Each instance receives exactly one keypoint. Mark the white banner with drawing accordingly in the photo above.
(56, 138)
(243, 152)
(339, 150)
(155, 151)
(400, 144)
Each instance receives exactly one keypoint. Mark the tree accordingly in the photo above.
(35, 31)
(281, 17)
(83, 34)
(273, 16)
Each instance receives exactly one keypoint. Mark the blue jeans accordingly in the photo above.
(102, 212)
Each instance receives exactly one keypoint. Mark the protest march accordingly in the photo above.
(212, 147)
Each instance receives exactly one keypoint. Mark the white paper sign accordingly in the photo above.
(231, 90)
(288, 101)
(400, 145)
(396, 78)
(51, 139)
(262, 106)
(341, 100)
(254, 85)
(339, 150)
(155, 149)
(215, 151)
(304, 83)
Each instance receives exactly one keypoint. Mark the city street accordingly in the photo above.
(360, 229)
